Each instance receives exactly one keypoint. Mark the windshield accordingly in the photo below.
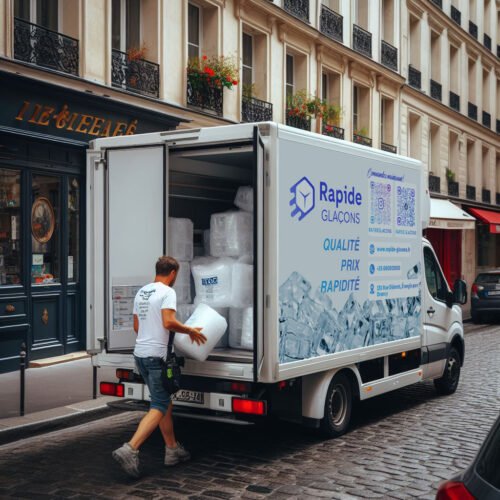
(488, 278)
(488, 464)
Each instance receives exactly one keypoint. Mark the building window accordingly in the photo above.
(290, 73)
(454, 70)
(126, 25)
(415, 45)
(387, 121)
(453, 153)
(415, 136)
(486, 91)
(472, 81)
(361, 110)
(332, 5)
(247, 63)
(42, 12)
(434, 149)
(470, 163)
(485, 167)
(387, 19)
(194, 31)
(361, 13)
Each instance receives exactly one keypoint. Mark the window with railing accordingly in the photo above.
(436, 90)
(453, 163)
(361, 114)
(387, 125)
(331, 23)
(472, 111)
(485, 173)
(470, 192)
(435, 62)
(470, 189)
(434, 183)
(473, 29)
(389, 55)
(456, 15)
(486, 118)
(415, 136)
(454, 78)
(414, 77)
(361, 41)
(298, 8)
(434, 148)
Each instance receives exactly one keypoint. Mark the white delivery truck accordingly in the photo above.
(349, 301)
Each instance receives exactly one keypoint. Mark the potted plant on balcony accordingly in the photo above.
(450, 175)
(215, 72)
(136, 53)
(331, 119)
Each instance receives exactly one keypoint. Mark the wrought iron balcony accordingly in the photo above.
(389, 56)
(498, 199)
(486, 196)
(470, 192)
(361, 41)
(436, 90)
(472, 111)
(454, 101)
(136, 75)
(498, 126)
(473, 29)
(438, 3)
(486, 119)
(456, 15)
(298, 8)
(255, 110)
(388, 147)
(453, 188)
(434, 183)
(204, 96)
(361, 139)
(333, 131)
(43, 47)
(414, 77)
(331, 24)
(297, 121)
(487, 41)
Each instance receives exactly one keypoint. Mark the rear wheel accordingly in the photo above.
(338, 407)
(448, 383)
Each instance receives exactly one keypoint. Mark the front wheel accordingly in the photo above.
(448, 383)
(338, 407)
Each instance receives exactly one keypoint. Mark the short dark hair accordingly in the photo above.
(165, 265)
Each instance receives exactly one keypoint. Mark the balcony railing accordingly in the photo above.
(486, 196)
(414, 77)
(473, 29)
(361, 40)
(486, 119)
(255, 110)
(388, 147)
(453, 188)
(302, 122)
(438, 3)
(436, 90)
(331, 24)
(456, 15)
(205, 97)
(43, 47)
(470, 192)
(389, 56)
(487, 41)
(498, 126)
(434, 183)
(498, 199)
(472, 111)
(454, 101)
(361, 139)
(333, 131)
(298, 8)
(136, 75)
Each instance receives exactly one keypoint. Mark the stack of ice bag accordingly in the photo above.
(180, 246)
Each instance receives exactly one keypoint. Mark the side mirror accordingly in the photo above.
(460, 292)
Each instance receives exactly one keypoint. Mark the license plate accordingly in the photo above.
(494, 293)
(184, 396)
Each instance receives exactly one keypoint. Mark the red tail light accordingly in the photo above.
(249, 406)
(452, 490)
(474, 290)
(242, 387)
(123, 374)
(112, 389)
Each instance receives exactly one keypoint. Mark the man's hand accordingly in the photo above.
(196, 336)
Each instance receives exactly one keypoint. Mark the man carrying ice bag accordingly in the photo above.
(155, 306)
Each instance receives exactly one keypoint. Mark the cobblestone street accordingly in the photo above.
(401, 445)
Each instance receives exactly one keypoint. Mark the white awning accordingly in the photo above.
(446, 215)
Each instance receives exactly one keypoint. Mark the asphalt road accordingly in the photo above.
(401, 445)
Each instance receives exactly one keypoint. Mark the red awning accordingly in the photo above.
(487, 216)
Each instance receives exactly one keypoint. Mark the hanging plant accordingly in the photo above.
(136, 53)
(217, 72)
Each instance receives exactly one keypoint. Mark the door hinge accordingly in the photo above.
(99, 162)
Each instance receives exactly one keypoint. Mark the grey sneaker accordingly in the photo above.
(128, 458)
(175, 455)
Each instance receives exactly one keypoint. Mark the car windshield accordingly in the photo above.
(488, 463)
(488, 278)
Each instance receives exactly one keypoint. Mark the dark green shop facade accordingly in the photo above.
(44, 133)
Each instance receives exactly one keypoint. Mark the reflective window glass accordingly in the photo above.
(73, 228)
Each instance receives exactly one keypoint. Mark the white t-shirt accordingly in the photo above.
(152, 338)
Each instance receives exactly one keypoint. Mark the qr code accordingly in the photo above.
(380, 194)
(405, 197)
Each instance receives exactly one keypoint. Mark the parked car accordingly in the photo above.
(485, 295)
(481, 480)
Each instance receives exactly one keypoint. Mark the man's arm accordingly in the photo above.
(171, 323)
(136, 324)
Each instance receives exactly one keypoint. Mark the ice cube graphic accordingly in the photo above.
(295, 288)
(309, 312)
(295, 342)
(326, 334)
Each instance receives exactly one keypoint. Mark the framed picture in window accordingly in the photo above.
(43, 220)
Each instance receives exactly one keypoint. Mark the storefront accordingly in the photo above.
(487, 238)
(44, 132)
(447, 233)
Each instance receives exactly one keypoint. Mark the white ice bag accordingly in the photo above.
(213, 280)
(180, 238)
(231, 234)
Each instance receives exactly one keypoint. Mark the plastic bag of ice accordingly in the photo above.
(241, 328)
(214, 326)
(231, 234)
(244, 198)
(242, 285)
(182, 285)
(213, 279)
(224, 340)
(180, 238)
(206, 241)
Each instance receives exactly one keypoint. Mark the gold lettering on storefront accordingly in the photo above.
(97, 126)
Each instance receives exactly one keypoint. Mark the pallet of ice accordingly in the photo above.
(180, 240)
(231, 234)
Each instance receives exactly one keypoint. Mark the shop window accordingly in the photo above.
(73, 229)
(10, 222)
(126, 24)
(486, 248)
(45, 230)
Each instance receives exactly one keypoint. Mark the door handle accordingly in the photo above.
(431, 311)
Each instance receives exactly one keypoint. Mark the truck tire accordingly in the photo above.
(338, 407)
(448, 383)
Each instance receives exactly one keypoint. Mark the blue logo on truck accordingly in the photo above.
(302, 198)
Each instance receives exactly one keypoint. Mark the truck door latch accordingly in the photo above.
(430, 311)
